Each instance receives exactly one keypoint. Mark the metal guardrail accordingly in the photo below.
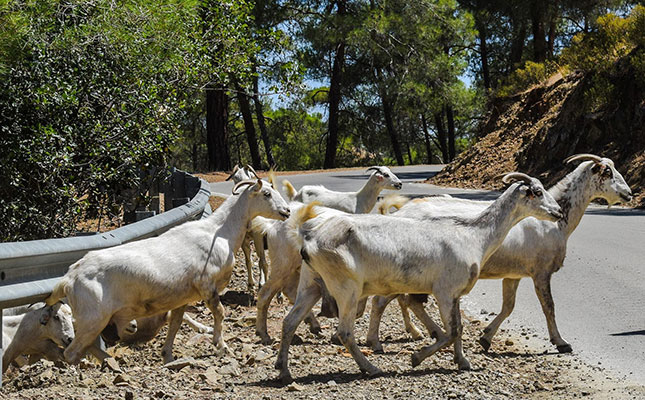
(30, 270)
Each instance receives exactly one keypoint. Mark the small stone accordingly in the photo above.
(129, 395)
(112, 364)
(261, 355)
(294, 387)
(121, 378)
(231, 369)
(47, 363)
(332, 383)
(47, 374)
(211, 376)
(180, 363)
(509, 342)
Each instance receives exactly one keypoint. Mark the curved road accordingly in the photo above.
(599, 292)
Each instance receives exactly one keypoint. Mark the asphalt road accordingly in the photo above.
(599, 293)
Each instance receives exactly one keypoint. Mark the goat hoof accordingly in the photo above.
(418, 336)
(315, 330)
(297, 340)
(484, 343)
(434, 335)
(464, 365)
(416, 360)
(565, 348)
(335, 339)
(373, 372)
(376, 346)
(285, 378)
(265, 339)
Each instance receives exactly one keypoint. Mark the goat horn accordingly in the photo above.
(272, 177)
(233, 173)
(377, 169)
(516, 176)
(583, 157)
(250, 168)
(242, 183)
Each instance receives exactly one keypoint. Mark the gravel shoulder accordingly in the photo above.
(516, 366)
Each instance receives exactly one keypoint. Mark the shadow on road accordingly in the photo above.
(616, 212)
(630, 333)
(417, 176)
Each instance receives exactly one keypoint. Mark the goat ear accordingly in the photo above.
(597, 168)
(46, 315)
(529, 193)
(379, 177)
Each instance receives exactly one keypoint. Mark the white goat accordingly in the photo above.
(37, 332)
(190, 262)
(533, 248)
(145, 329)
(352, 202)
(238, 175)
(363, 255)
(285, 256)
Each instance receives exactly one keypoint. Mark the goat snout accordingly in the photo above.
(398, 185)
(285, 213)
(67, 341)
(556, 214)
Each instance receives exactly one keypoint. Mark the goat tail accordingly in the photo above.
(298, 218)
(394, 200)
(60, 291)
(288, 187)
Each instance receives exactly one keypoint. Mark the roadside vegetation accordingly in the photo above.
(97, 95)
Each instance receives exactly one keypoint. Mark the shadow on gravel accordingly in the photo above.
(512, 354)
(343, 377)
(237, 297)
(630, 333)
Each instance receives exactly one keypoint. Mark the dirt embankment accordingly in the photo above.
(534, 131)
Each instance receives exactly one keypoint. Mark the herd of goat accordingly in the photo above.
(321, 244)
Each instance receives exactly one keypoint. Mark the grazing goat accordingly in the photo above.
(38, 332)
(352, 202)
(190, 262)
(362, 255)
(534, 248)
(285, 257)
(238, 175)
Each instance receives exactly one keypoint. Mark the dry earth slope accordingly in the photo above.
(534, 131)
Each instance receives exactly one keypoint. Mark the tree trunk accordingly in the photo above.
(407, 144)
(483, 51)
(216, 129)
(389, 124)
(517, 46)
(451, 132)
(249, 127)
(538, 11)
(426, 137)
(441, 136)
(335, 96)
(264, 134)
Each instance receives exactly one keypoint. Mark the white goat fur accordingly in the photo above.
(363, 255)
(358, 202)
(38, 333)
(238, 175)
(285, 256)
(190, 262)
(533, 248)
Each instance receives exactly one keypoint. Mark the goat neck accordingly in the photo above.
(496, 221)
(231, 219)
(574, 193)
(367, 196)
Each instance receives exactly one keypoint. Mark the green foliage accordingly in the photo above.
(523, 78)
(296, 138)
(92, 94)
